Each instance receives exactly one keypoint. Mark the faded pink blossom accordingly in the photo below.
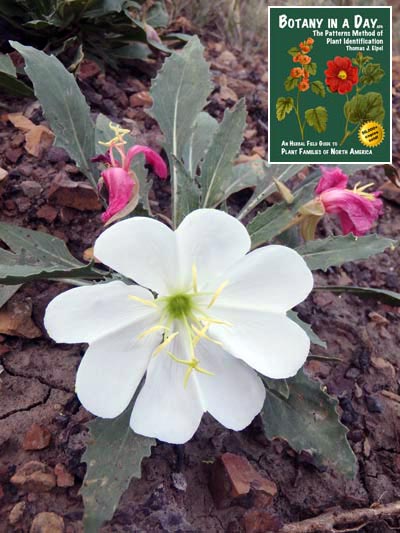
(119, 179)
(120, 187)
(356, 208)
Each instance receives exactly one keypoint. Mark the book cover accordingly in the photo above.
(329, 71)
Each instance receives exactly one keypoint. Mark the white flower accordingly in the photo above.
(218, 314)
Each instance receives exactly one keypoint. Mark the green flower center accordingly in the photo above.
(342, 75)
(179, 306)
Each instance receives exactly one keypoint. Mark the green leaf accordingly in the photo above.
(8, 78)
(157, 15)
(269, 223)
(264, 184)
(307, 328)
(284, 107)
(113, 457)
(323, 253)
(188, 195)
(372, 73)
(383, 296)
(63, 104)
(291, 83)
(364, 107)
(293, 51)
(280, 386)
(318, 88)
(6, 291)
(308, 420)
(311, 68)
(218, 162)
(37, 255)
(179, 93)
(317, 118)
(198, 142)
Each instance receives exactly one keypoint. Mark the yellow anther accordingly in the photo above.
(192, 364)
(165, 343)
(149, 331)
(194, 277)
(217, 293)
(144, 301)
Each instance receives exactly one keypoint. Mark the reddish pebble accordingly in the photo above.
(36, 438)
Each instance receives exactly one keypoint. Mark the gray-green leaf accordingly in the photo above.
(179, 93)
(307, 328)
(216, 170)
(63, 104)
(323, 253)
(383, 296)
(113, 457)
(198, 142)
(36, 255)
(308, 420)
(9, 80)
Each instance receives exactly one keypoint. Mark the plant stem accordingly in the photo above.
(296, 110)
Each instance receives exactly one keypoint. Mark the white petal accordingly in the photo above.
(84, 314)
(213, 241)
(112, 368)
(270, 343)
(165, 408)
(142, 249)
(272, 278)
(234, 395)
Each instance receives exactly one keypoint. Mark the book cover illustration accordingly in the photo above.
(329, 84)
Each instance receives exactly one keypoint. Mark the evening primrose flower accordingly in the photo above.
(204, 319)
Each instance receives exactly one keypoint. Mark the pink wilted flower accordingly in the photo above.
(120, 180)
(356, 208)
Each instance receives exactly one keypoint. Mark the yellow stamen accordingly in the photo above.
(342, 75)
(202, 334)
(193, 364)
(119, 135)
(165, 343)
(150, 303)
(360, 190)
(194, 277)
(217, 293)
(151, 330)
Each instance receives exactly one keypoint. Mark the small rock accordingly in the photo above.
(227, 58)
(48, 213)
(23, 204)
(34, 476)
(25, 170)
(16, 513)
(76, 194)
(17, 140)
(374, 405)
(233, 476)
(259, 521)
(31, 188)
(390, 192)
(1, 492)
(47, 523)
(36, 438)
(179, 481)
(3, 174)
(140, 99)
(352, 373)
(88, 69)
(64, 478)
(56, 154)
(13, 154)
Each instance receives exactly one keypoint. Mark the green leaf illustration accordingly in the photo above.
(291, 83)
(311, 68)
(318, 87)
(364, 107)
(283, 107)
(372, 73)
(293, 51)
(308, 420)
(317, 118)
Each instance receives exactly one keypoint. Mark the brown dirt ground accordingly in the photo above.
(37, 383)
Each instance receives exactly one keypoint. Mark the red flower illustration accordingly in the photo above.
(341, 75)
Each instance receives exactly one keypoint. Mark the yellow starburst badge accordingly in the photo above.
(371, 134)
